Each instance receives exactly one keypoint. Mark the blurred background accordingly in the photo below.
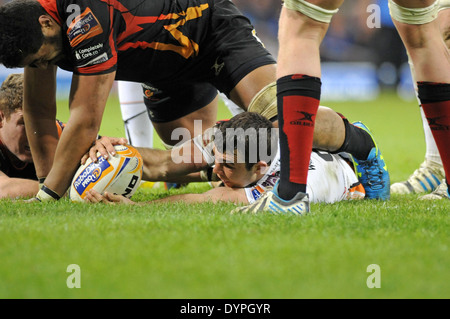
(362, 54)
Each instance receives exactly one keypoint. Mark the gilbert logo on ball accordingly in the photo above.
(120, 174)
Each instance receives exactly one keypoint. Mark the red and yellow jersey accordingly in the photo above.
(141, 34)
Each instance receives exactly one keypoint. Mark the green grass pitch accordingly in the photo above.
(201, 251)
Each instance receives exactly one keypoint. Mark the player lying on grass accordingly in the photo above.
(183, 51)
(245, 156)
(17, 173)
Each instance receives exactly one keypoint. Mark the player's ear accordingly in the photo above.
(47, 23)
(261, 167)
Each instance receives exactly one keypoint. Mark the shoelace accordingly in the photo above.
(374, 175)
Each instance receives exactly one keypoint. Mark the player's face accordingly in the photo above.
(14, 137)
(49, 53)
(232, 174)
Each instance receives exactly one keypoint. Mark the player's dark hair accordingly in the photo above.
(11, 94)
(250, 131)
(20, 31)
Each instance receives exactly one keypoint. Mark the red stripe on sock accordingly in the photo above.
(299, 115)
(438, 116)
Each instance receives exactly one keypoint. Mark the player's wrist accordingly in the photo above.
(45, 194)
(41, 181)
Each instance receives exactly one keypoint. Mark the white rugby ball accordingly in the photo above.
(119, 174)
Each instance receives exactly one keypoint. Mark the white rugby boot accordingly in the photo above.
(424, 179)
(441, 192)
(271, 202)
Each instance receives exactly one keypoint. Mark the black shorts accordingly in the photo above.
(229, 52)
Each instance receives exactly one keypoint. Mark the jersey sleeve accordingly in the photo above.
(90, 31)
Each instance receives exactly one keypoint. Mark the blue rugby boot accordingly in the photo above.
(372, 172)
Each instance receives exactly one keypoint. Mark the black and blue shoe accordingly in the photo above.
(372, 172)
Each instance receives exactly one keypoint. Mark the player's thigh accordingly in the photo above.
(326, 4)
(188, 126)
(252, 83)
(444, 24)
(414, 3)
(299, 42)
(187, 107)
(302, 27)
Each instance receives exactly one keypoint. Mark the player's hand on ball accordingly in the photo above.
(104, 146)
(93, 196)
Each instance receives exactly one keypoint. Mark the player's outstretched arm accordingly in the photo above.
(176, 165)
(39, 108)
(17, 187)
(172, 165)
(219, 194)
(87, 102)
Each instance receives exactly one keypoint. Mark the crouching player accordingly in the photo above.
(245, 156)
(17, 172)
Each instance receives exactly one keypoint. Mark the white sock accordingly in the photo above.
(138, 127)
(432, 152)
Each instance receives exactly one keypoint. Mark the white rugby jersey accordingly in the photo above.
(330, 177)
(330, 180)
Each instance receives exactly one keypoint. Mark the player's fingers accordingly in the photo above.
(93, 154)
(119, 141)
(93, 196)
(84, 158)
(89, 198)
(98, 147)
(113, 197)
(108, 144)
(117, 198)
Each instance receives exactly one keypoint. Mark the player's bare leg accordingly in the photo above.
(417, 24)
(431, 172)
(243, 93)
(192, 124)
(329, 131)
(302, 27)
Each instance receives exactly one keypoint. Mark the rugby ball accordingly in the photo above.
(119, 174)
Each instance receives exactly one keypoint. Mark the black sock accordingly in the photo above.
(357, 142)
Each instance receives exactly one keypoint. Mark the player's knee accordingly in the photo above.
(413, 15)
(444, 4)
(446, 37)
(310, 10)
(265, 102)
